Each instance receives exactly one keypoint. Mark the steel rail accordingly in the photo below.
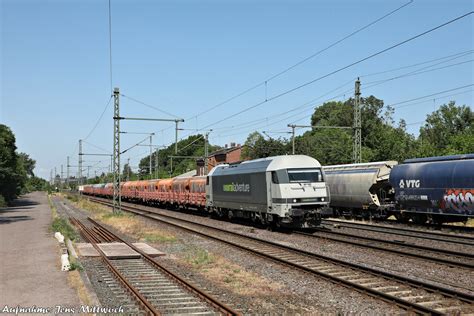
(226, 310)
(403, 229)
(460, 255)
(88, 235)
(401, 232)
(410, 306)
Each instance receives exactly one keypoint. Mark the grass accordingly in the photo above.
(126, 223)
(228, 274)
(54, 212)
(199, 257)
(72, 197)
(112, 215)
(62, 225)
(92, 207)
(75, 281)
(75, 265)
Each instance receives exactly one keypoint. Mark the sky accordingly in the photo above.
(185, 57)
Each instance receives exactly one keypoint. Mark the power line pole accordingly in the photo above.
(62, 174)
(80, 162)
(293, 126)
(157, 165)
(176, 138)
(151, 152)
(67, 171)
(357, 153)
(116, 154)
(51, 177)
(128, 169)
(206, 153)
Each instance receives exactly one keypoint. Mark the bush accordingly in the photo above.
(3, 203)
(75, 265)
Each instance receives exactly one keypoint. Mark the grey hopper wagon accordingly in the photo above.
(361, 190)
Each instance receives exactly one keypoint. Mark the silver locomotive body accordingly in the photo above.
(281, 190)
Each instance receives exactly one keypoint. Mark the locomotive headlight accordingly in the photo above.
(322, 199)
(294, 200)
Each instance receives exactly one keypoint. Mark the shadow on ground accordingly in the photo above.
(18, 206)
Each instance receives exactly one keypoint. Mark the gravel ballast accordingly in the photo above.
(276, 289)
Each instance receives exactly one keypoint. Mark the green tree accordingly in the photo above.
(127, 172)
(449, 130)
(256, 146)
(10, 178)
(328, 146)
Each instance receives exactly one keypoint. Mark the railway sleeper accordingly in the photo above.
(168, 295)
(157, 287)
(407, 298)
(154, 290)
(175, 300)
(362, 279)
(180, 303)
(187, 308)
(196, 306)
(431, 303)
(370, 284)
(387, 287)
(142, 279)
(330, 270)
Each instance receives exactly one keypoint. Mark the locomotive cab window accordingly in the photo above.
(305, 175)
(274, 177)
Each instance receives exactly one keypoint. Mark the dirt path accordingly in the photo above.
(30, 272)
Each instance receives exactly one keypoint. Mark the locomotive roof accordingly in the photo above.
(267, 164)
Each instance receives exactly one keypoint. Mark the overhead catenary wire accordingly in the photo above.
(145, 139)
(149, 106)
(341, 69)
(457, 55)
(265, 82)
(411, 104)
(414, 73)
(99, 119)
(367, 86)
(427, 96)
(375, 83)
(439, 97)
(95, 146)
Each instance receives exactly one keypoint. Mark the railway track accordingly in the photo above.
(144, 285)
(448, 257)
(407, 232)
(412, 295)
(440, 228)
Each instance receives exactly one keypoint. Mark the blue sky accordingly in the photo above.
(187, 56)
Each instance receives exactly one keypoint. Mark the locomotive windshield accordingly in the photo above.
(305, 175)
